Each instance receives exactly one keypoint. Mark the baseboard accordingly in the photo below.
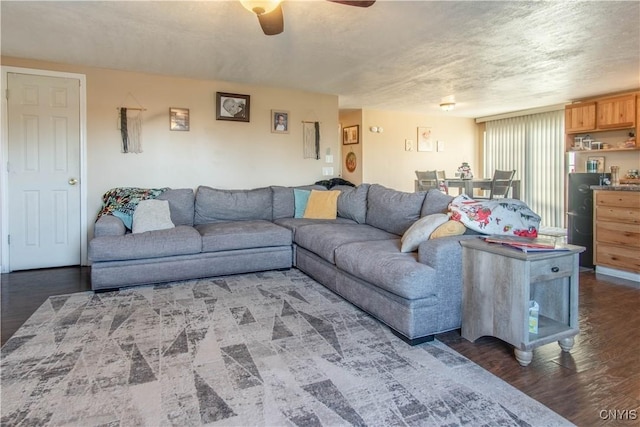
(635, 277)
(414, 341)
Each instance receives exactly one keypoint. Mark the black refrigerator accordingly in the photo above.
(580, 212)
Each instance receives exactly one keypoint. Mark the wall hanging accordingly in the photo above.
(311, 140)
(279, 121)
(233, 107)
(179, 119)
(130, 126)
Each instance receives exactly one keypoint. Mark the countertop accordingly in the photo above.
(621, 187)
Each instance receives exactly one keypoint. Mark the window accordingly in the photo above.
(533, 145)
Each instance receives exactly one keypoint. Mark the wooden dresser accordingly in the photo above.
(616, 229)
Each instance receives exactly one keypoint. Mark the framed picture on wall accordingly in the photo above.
(233, 107)
(350, 135)
(279, 121)
(425, 143)
(179, 119)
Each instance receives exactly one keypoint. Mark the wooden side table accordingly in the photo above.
(500, 281)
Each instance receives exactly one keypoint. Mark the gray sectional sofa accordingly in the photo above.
(357, 255)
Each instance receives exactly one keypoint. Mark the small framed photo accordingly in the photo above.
(179, 119)
(233, 107)
(279, 121)
(350, 135)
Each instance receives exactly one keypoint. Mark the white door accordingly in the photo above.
(43, 116)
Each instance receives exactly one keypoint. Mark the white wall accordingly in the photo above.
(386, 162)
(217, 153)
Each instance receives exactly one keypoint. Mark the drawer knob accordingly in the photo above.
(555, 269)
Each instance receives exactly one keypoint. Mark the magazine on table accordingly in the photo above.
(527, 244)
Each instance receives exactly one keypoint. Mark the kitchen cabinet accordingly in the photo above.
(616, 112)
(580, 117)
(607, 119)
(616, 229)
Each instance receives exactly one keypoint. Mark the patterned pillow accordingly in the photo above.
(500, 216)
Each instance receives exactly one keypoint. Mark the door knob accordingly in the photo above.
(73, 181)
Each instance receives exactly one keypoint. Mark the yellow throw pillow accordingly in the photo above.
(449, 228)
(322, 204)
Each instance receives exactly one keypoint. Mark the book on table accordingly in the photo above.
(526, 244)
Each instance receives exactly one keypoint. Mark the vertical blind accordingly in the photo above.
(533, 145)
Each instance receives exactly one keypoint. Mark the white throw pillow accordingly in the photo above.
(421, 230)
(152, 215)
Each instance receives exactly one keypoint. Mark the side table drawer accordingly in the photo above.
(550, 269)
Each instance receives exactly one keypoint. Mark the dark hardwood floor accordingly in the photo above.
(597, 383)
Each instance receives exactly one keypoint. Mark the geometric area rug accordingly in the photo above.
(260, 349)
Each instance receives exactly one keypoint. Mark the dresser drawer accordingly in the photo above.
(549, 269)
(618, 234)
(624, 199)
(612, 256)
(618, 214)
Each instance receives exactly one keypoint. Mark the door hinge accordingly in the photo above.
(8, 239)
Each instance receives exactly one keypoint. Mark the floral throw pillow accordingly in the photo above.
(499, 216)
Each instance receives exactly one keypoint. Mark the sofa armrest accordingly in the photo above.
(444, 255)
(109, 225)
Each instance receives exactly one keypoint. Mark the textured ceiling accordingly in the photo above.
(495, 57)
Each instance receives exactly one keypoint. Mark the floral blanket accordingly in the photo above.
(122, 202)
(498, 216)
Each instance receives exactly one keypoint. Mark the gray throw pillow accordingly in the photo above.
(352, 202)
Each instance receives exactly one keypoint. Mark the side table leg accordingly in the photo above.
(523, 357)
(566, 344)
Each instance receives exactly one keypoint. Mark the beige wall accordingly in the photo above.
(385, 160)
(217, 153)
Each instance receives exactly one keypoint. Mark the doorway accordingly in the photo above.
(43, 148)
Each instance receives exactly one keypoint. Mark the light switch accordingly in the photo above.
(328, 158)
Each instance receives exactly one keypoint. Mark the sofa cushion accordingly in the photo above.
(180, 240)
(352, 202)
(294, 223)
(323, 239)
(300, 200)
(322, 205)
(382, 264)
(233, 235)
(151, 215)
(214, 205)
(181, 204)
(392, 210)
(435, 202)
(283, 201)
(421, 230)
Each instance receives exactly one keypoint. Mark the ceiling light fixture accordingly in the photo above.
(448, 106)
(260, 7)
(448, 103)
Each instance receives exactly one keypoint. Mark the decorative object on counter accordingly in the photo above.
(615, 175)
(595, 165)
(464, 171)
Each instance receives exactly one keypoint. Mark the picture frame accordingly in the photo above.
(279, 121)
(233, 107)
(425, 141)
(351, 135)
(178, 119)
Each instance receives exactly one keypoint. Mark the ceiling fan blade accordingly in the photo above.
(272, 23)
(355, 3)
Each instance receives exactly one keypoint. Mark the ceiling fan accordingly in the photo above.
(269, 12)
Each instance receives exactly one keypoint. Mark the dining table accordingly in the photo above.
(466, 186)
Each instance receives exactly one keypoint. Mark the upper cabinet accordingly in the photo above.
(580, 117)
(617, 112)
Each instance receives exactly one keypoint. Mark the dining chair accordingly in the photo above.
(432, 179)
(500, 184)
(426, 180)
